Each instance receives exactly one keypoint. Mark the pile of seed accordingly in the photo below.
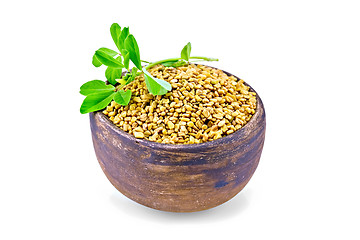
(204, 104)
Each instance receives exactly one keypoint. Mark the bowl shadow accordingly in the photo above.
(225, 211)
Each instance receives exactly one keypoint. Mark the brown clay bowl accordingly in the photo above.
(179, 177)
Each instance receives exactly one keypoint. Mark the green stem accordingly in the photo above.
(205, 58)
(176, 59)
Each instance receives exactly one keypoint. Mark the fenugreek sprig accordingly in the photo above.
(99, 94)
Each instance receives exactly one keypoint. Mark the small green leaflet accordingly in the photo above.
(121, 40)
(112, 74)
(185, 52)
(95, 60)
(115, 31)
(153, 87)
(133, 49)
(122, 97)
(107, 59)
(156, 86)
(126, 55)
(160, 82)
(95, 86)
(96, 101)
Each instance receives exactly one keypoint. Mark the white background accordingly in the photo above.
(302, 57)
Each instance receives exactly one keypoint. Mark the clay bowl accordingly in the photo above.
(176, 177)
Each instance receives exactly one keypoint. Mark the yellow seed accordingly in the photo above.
(116, 119)
(218, 116)
(206, 113)
(137, 99)
(139, 134)
(189, 108)
(190, 124)
(111, 114)
(171, 125)
(230, 131)
(139, 129)
(221, 123)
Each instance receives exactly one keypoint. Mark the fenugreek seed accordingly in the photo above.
(218, 116)
(206, 113)
(137, 99)
(205, 137)
(230, 131)
(189, 108)
(143, 117)
(221, 123)
(190, 124)
(117, 119)
(213, 81)
(171, 125)
(139, 134)
(139, 129)
(183, 129)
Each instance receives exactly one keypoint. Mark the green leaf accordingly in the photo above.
(185, 52)
(153, 87)
(112, 74)
(108, 51)
(162, 83)
(96, 101)
(156, 86)
(121, 41)
(133, 49)
(95, 86)
(96, 62)
(115, 31)
(126, 58)
(122, 97)
(107, 59)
